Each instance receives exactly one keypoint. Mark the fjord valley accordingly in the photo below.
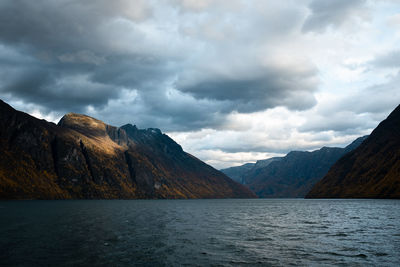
(199, 133)
(291, 176)
(366, 168)
(83, 157)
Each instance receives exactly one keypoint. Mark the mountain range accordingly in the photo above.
(291, 176)
(370, 171)
(84, 158)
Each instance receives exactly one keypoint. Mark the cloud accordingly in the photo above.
(61, 55)
(357, 112)
(331, 13)
(54, 87)
(75, 56)
(227, 78)
(263, 88)
(265, 134)
(169, 111)
(394, 20)
(383, 98)
(341, 121)
(83, 56)
(222, 159)
(65, 24)
(388, 60)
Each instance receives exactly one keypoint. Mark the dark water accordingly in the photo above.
(200, 233)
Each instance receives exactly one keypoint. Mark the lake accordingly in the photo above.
(228, 232)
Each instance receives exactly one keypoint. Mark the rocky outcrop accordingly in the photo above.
(370, 171)
(83, 157)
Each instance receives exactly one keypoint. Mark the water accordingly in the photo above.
(261, 232)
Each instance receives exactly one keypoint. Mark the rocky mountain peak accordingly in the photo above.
(83, 124)
(154, 131)
(83, 157)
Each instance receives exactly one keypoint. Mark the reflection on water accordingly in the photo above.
(200, 232)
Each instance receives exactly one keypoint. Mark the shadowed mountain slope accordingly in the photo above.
(370, 171)
(83, 157)
(238, 173)
(242, 172)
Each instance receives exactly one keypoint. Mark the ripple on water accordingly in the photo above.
(257, 232)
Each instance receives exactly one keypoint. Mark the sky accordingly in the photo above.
(232, 81)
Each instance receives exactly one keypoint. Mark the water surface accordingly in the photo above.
(251, 232)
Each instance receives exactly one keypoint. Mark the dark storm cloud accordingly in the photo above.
(62, 25)
(61, 56)
(51, 85)
(133, 71)
(325, 13)
(50, 26)
(271, 88)
(165, 110)
(88, 56)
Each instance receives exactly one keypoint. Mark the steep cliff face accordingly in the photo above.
(370, 171)
(82, 157)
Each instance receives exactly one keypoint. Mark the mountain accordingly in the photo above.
(239, 173)
(370, 171)
(295, 174)
(82, 157)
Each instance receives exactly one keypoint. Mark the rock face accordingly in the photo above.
(370, 171)
(82, 157)
(294, 175)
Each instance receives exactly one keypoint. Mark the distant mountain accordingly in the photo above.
(239, 173)
(370, 171)
(83, 157)
(292, 175)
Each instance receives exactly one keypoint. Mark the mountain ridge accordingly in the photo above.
(82, 157)
(370, 171)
